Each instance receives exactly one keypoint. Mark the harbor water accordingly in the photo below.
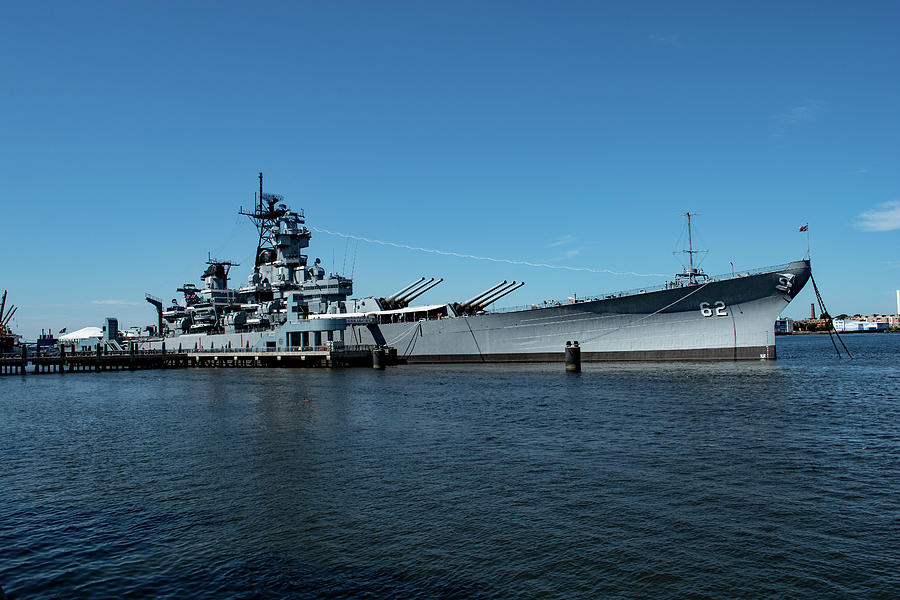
(632, 480)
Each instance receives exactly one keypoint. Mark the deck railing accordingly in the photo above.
(321, 348)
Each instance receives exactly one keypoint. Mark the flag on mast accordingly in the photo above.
(804, 227)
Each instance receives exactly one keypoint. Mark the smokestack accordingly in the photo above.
(812, 310)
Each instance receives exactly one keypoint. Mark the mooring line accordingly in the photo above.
(825, 311)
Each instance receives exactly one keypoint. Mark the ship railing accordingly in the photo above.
(93, 353)
(738, 274)
(282, 349)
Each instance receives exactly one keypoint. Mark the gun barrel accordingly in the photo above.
(394, 296)
(468, 302)
(411, 293)
(488, 301)
(422, 290)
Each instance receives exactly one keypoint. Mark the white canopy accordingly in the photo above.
(396, 311)
(408, 309)
(81, 334)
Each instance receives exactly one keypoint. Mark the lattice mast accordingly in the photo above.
(268, 208)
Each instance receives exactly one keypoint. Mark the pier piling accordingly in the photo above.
(573, 357)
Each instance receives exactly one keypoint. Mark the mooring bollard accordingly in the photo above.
(573, 357)
(378, 359)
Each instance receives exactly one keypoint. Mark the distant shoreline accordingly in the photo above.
(833, 331)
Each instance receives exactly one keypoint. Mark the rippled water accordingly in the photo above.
(628, 480)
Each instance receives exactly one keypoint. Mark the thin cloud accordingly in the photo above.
(114, 302)
(566, 239)
(885, 217)
(862, 171)
(670, 39)
(807, 111)
(571, 253)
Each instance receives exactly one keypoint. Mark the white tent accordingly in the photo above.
(81, 334)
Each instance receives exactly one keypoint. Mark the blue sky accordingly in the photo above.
(565, 133)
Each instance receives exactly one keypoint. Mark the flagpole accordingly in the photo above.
(808, 256)
(806, 229)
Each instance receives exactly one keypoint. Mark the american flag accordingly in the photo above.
(804, 228)
(61, 331)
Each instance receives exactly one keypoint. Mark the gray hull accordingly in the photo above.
(728, 319)
(732, 319)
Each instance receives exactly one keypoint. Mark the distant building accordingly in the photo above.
(811, 324)
(893, 321)
(863, 324)
(784, 326)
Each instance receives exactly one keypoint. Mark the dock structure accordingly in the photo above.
(307, 356)
(103, 359)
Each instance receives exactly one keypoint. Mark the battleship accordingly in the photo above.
(289, 303)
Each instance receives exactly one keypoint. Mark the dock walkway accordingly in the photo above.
(132, 359)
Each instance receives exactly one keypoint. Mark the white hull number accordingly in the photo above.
(717, 309)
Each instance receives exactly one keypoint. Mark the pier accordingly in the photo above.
(107, 360)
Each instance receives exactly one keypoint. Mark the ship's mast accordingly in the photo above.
(691, 274)
(267, 209)
(690, 249)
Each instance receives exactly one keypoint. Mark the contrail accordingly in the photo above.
(487, 258)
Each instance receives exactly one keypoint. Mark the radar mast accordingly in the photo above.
(267, 209)
(691, 273)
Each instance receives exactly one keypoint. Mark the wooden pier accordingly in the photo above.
(132, 359)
